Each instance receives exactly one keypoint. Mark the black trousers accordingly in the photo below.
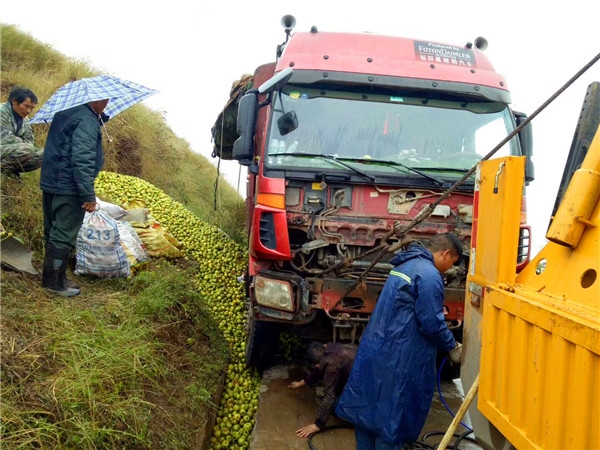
(63, 216)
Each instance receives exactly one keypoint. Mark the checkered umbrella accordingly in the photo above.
(121, 94)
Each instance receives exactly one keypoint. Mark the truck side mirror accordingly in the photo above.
(526, 140)
(274, 83)
(243, 147)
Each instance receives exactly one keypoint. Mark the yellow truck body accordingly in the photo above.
(534, 337)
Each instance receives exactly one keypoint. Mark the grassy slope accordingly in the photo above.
(142, 144)
(129, 363)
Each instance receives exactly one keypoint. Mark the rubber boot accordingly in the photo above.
(71, 284)
(68, 283)
(54, 272)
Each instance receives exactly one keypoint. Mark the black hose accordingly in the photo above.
(418, 445)
(421, 444)
(459, 438)
(462, 437)
(412, 445)
(331, 427)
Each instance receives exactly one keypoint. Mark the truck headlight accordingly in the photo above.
(273, 293)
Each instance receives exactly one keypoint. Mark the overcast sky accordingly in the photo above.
(191, 52)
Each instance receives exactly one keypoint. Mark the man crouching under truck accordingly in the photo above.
(390, 388)
(332, 364)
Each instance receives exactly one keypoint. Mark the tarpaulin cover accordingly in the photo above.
(224, 131)
(391, 385)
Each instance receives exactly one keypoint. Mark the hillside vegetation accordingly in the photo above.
(142, 143)
(150, 361)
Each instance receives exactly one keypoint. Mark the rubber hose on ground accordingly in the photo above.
(331, 427)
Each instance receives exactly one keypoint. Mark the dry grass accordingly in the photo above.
(130, 363)
(127, 364)
(142, 143)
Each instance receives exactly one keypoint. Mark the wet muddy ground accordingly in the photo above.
(282, 411)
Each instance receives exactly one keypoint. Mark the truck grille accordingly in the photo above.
(267, 231)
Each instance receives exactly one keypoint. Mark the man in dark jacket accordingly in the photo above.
(73, 157)
(333, 363)
(390, 389)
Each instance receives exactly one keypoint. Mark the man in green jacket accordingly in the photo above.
(17, 150)
(73, 157)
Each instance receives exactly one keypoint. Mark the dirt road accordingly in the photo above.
(282, 411)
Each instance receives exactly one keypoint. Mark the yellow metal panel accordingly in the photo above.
(540, 330)
(496, 182)
(539, 373)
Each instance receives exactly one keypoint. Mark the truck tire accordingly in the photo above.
(262, 343)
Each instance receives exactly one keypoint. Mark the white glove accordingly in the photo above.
(456, 353)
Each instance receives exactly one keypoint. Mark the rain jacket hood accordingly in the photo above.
(391, 385)
(414, 251)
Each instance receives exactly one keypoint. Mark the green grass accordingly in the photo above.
(127, 364)
(142, 143)
(131, 363)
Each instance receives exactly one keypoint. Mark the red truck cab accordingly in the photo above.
(348, 137)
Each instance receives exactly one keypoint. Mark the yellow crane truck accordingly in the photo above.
(532, 340)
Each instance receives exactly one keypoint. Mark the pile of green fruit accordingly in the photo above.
(221, 261)
(289, 346)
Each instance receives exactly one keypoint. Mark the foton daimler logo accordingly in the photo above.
(444, 54)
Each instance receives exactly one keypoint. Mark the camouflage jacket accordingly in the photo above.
(8, 127)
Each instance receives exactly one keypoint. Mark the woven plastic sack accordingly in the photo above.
(99, 251)
(132, 244)
(110, 209)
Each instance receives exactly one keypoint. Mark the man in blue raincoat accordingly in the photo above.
(390, 388)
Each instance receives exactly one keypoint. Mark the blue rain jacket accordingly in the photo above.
(391, 385)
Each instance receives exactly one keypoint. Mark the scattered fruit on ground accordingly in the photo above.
(221, 261)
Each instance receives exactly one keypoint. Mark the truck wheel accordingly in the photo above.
(262, 344)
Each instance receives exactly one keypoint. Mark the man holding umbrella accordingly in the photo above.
(73, 157)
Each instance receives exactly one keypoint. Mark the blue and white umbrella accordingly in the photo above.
(122, 94)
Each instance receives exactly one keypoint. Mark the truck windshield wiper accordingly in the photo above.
(404, 166)
(444, 169)
(330, 158)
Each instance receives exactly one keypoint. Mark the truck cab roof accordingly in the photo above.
(378, 59)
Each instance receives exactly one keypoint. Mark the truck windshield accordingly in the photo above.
(365, 128)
